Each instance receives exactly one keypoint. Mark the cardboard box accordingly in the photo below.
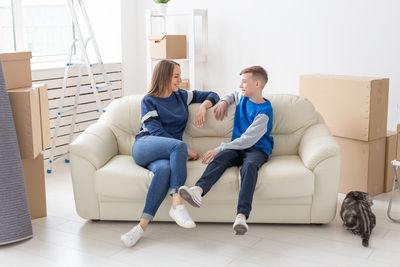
(44, 115)
(362, 165)
(25, 106)
(185, 84)
(390, 155)
(35, 186)
(167, 46)
(353, 107)
(17, 69)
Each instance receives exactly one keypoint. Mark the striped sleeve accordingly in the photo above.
(151, 121)
(196, 96)
(232, 97)
(250, 137)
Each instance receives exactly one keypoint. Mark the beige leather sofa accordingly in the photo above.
(299, 184)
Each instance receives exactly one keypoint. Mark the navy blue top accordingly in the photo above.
(168, 116)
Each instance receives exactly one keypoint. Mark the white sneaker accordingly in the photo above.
(182, 217)
(191, 195)
(133, 236)
(240, 226)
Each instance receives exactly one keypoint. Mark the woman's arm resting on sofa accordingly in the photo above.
(201, 112)
(97, 144)
(317, 145)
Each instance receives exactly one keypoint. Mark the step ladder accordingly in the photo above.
(75, 7)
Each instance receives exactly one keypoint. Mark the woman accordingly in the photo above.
(159, 147)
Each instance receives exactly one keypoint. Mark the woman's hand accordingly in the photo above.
(201, 113)
(201, 116)
(220, 110)
(209, 156)
(192, 155)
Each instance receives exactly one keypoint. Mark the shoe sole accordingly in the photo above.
(240, 229)
(188, 197)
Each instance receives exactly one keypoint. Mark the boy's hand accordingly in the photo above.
(220, 110)
(192, 155)
(201, 116)
(208, 156)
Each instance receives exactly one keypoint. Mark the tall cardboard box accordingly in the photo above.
(390, 155)
(25, 106)
(44, 114)
(167, 46)
(35, 186)
(362, 165)
(17, 69)
(353, 107)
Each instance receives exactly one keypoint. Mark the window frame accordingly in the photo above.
(18, 33)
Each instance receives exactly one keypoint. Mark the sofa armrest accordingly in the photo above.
(97, 144)
(317, 145)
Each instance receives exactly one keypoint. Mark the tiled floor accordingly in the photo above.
(65, 239)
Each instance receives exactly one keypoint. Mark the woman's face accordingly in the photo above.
(176, 78)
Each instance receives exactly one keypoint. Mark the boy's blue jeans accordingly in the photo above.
(251, 160)
(166, 158)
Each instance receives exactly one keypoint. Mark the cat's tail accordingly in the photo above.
(365, 242)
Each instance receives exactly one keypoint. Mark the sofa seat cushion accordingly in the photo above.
(226, 189)
(121, 177)
(284, 177)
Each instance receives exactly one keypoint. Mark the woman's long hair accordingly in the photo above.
(162, 77)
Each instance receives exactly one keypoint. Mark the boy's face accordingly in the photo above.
(249, 87)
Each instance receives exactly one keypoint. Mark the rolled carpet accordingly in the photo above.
(15, 221)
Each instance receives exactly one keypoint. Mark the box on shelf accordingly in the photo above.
(35, 186)
(17, 69)
(167, 46)
(353, 107)
(391, 139)
(362, 165)
(185, 84)
(31, 119)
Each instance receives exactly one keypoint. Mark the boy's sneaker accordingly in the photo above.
(181, 216)
(133, 236)
(240, 226)
(191, 195)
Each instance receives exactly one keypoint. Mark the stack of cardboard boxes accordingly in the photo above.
(29, 105)
(355, 110)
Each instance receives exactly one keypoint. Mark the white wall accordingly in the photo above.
(287, 37)
(105, 19)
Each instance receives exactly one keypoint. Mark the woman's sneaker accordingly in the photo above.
(240, 226)
(191, 195)
(133, 236)
(181, 216)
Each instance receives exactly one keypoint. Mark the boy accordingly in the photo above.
(250, 146)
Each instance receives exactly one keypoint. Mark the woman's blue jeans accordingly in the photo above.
(166, 158)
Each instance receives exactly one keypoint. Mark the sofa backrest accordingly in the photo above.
(292, 116)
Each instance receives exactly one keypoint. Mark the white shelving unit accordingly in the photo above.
(196, 50)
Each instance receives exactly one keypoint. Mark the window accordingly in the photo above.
(41, 26)
(6, 26)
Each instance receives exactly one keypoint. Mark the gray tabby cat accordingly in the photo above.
(357, 215)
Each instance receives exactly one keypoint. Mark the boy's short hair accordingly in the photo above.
(259, 73)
